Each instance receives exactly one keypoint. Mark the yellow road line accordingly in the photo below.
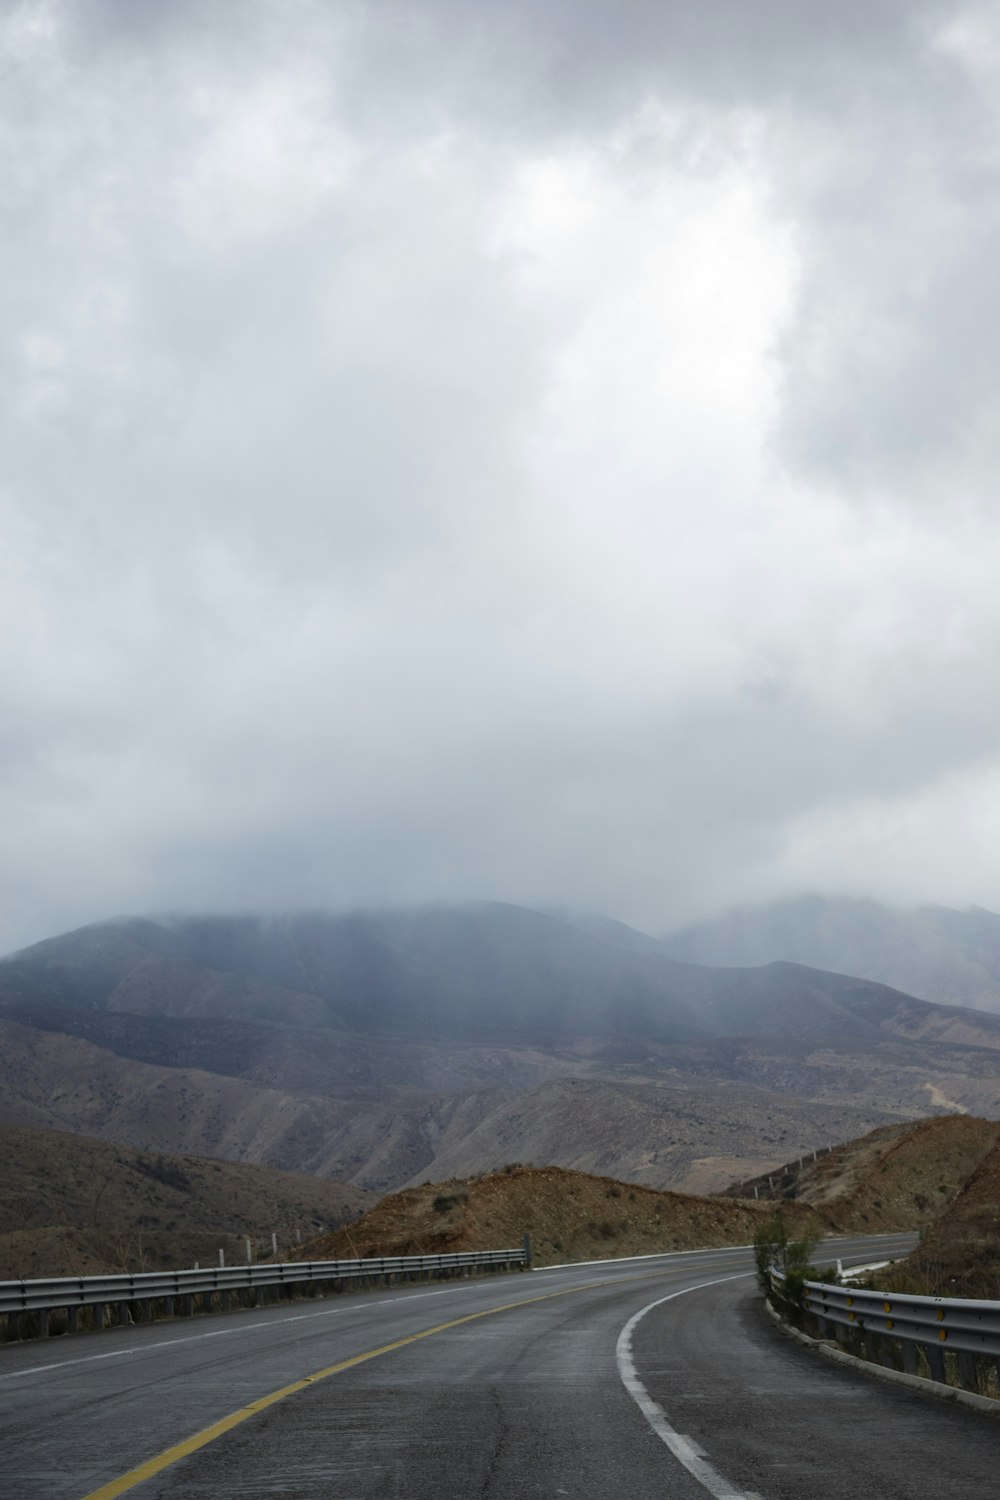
(208, 1435)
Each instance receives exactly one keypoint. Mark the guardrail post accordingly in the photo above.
(967, 1370)
(72, 1318)
(527, 1252)
(123, 1316)
(935, 1359)
(43, 1323)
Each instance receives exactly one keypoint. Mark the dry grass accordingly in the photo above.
(897, 1177)
(570, 1216)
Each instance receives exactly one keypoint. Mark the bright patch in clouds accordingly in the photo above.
(539, 454)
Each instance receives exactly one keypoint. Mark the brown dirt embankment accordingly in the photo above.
(959, 1255)
(569, 1215)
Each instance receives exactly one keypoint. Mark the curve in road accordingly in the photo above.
(509, 1388)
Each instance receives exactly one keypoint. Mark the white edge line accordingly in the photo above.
(624, 1260)
(621, 1260)
(684, 1450)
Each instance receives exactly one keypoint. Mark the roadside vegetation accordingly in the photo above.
(777, 1246)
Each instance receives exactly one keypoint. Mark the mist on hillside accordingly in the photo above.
(940, 954)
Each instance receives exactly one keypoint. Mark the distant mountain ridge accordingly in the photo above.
(942, 955)
(380, 1048)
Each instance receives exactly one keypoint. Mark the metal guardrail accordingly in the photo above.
(70, 1293)
(935, 1325)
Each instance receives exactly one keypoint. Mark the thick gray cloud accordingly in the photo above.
(543, 452)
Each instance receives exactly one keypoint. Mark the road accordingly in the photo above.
(657, 1377)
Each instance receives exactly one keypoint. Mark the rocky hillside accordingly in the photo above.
(959, 1256)
(569, 1215)
(694, 1138)
(73, 1205)
(899, 1177)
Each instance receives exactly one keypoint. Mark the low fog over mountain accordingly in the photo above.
(949, 956)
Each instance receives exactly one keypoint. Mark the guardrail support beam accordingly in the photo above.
(967, 1370)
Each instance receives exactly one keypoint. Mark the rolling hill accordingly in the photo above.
(570, 1216)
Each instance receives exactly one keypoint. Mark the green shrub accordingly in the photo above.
(774, 1249)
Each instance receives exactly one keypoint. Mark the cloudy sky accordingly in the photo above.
(545, 451)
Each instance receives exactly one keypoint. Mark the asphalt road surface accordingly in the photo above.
(658, 1377)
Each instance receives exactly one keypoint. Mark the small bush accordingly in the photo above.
(162, 1170)
(774, 1249)
(446, 1201)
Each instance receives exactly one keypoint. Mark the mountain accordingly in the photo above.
(73, 1205)
(487, 974)
(949, 957)
(386, 1047)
